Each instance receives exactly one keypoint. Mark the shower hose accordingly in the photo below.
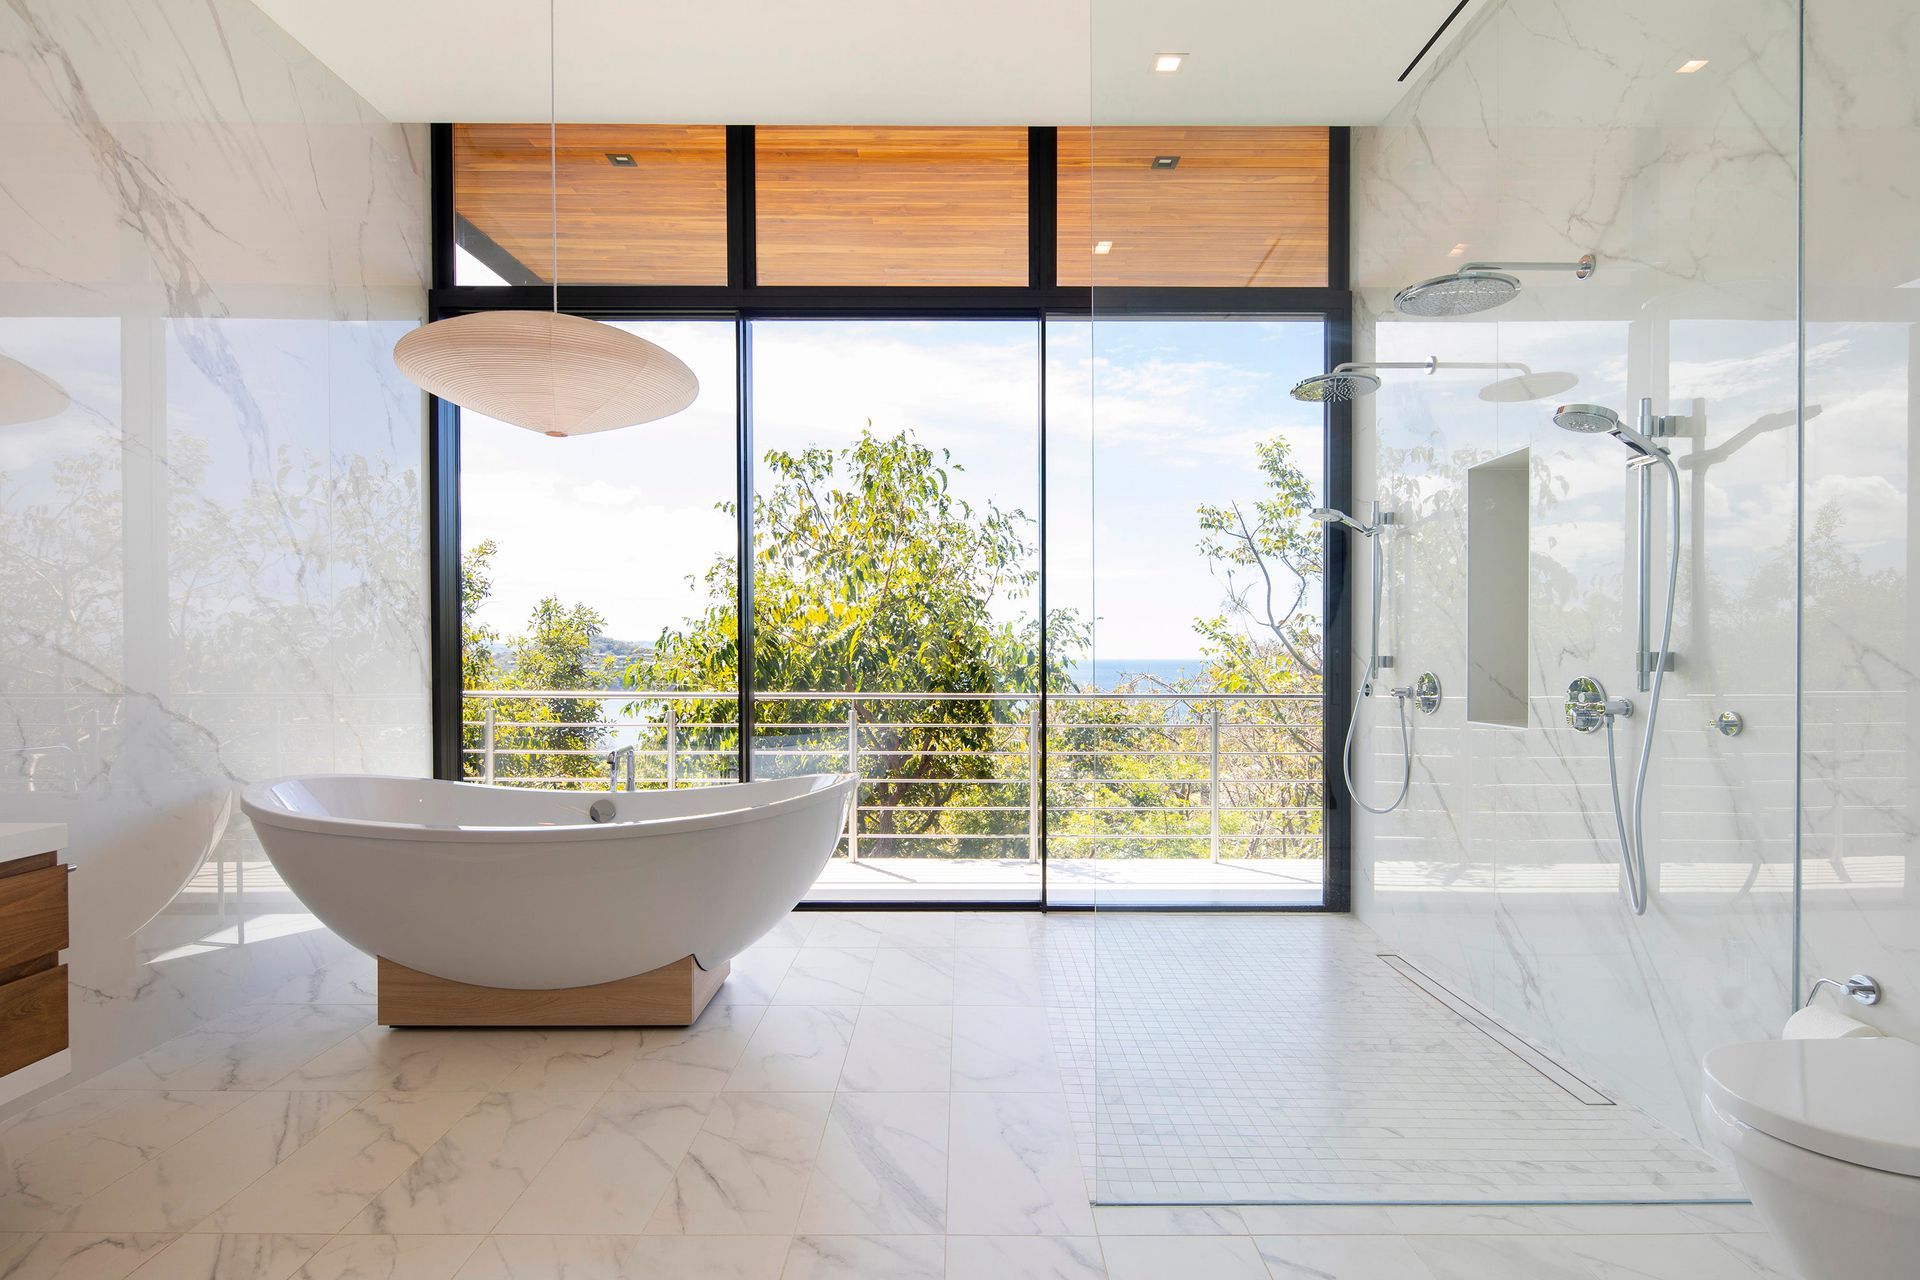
(1633, 851)
(1400, 699)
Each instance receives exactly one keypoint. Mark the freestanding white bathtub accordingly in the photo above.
(522, 889)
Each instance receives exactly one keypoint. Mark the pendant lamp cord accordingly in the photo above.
(553, 148)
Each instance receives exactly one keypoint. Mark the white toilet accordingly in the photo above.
(1825, 1135)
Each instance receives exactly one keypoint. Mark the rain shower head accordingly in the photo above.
(1341, 384)
(1461, 293)
(1347, 382)
(1476, 287)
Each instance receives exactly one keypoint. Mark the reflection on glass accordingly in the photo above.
(602, 567)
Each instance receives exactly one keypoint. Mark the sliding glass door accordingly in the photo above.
(896, 592)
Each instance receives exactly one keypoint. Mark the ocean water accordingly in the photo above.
(1107, 673)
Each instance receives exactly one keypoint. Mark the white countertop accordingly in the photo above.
(23, 839)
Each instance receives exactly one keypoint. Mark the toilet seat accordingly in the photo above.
(1851, 1100)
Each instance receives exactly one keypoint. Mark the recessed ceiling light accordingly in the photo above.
(1168, 61)
(1456, 251)
(1166, 162)
(1690, 66)
(1103, 246)
(620, 159)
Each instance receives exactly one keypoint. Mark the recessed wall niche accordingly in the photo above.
(1497, 591)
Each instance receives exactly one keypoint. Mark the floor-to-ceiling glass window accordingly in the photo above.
(887, 324)
(1185, 753)
(895, 594)
(597, 590)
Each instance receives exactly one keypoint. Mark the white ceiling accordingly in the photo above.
(874, 61)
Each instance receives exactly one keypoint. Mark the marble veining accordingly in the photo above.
(1548, 130)
(213, 560)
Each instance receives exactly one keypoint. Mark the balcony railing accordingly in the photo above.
(955, 775)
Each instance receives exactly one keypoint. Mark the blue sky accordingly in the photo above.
(1149, 420)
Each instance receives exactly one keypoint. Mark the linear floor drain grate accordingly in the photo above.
(1513, 1044)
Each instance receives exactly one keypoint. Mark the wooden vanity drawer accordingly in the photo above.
(33, 915)
(33, 1018)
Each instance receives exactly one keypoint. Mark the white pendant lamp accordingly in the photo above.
(560, 375)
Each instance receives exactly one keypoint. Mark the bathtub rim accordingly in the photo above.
(257, 802)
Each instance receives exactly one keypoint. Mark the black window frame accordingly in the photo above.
(742, 300)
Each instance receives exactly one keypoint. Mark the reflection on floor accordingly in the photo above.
(871, 1095)
(1216, 1059)
(1076, 882)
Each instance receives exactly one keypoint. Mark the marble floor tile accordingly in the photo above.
(215, 1038)
(575, 1059)
(693, 1059)
(454, 1060)
(231, 1257)
(881, 1168)
(257, 1059)
(1510, 1257)
(1003, 1049)
(1026, 1258)
(755, 975)
(31, 1129)
(1159, 1257)
(826, 975)
(1680, 1257)
(900, 1049)
(325, 1183)
(390, 1258)
(510, 1257)
(76, 1255)
(795, 1047)
(1013, 1168)
(1316, 1219)
(998, 975)
(993, 929)
(1170, 1220)
(911, 975)
(1319, 1257)
(178, 1188)
(746, 1171)
(865, 1258)
(41, 1189)
(883, 929)
(609, 1174)
(475, 1172)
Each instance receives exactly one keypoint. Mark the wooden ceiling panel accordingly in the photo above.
(1245, 206)
(662, 220)
(907, 206)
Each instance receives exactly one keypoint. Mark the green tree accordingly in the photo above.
(872, 576)
(534, 738)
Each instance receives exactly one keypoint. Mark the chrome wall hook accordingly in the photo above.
(1860, 986)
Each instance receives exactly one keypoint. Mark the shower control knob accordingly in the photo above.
(1729, 723)
(1589, 708)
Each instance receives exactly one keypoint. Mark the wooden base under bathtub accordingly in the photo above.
(671, 996)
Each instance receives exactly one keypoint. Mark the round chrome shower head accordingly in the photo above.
(1461, 293)
(1588, 419)
(1341, 384)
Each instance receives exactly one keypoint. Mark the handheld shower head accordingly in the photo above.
(1587, 419)
(1328, 515)
(1592, 419)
